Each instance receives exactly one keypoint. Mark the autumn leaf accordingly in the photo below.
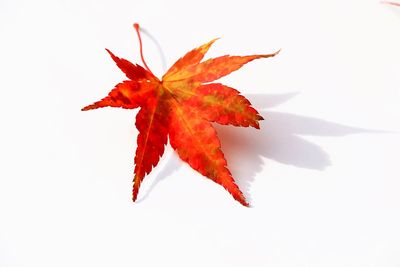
(182, 106)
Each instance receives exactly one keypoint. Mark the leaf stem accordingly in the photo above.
(136, 26)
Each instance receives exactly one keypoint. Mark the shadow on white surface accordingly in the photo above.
(159, 48)
(279, 139)
(172, 165)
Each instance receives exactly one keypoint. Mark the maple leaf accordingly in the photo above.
(182, 106)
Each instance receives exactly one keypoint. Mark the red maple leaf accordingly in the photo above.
(182, 106)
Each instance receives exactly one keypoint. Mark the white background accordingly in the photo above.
(322, 174)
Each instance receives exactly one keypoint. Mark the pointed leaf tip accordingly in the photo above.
(132, 71)
(272, 55)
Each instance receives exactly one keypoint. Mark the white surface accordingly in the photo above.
(323, 182)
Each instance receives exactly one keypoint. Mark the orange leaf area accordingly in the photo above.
(181, 107)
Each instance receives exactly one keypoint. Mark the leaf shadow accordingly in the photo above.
(172, 165)
(280, 139)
